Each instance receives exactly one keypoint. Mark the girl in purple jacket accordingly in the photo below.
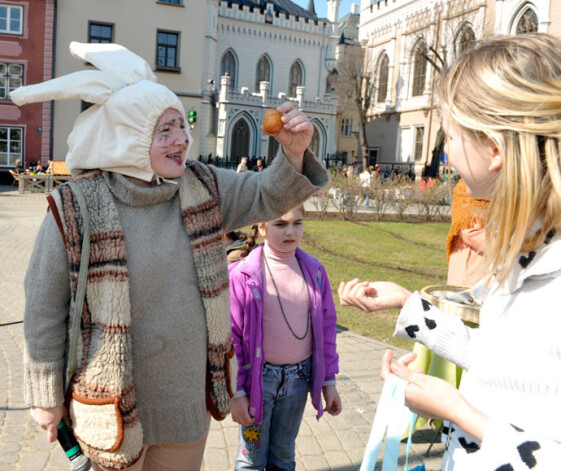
(284, 332)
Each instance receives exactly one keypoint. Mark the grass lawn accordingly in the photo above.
(413, 255)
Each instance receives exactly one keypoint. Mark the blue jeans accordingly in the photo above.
(271, 443)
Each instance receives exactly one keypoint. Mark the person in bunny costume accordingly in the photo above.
(154, 356)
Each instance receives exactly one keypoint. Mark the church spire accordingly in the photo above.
(312, 8)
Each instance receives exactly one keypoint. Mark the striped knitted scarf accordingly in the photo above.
(102, 405)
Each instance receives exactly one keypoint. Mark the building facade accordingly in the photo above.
(407, 43)
(168, 34)
(258, 56)
(348, 55)
(26, 56)
(227, 61)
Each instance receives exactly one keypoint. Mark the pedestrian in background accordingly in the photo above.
(242, 166)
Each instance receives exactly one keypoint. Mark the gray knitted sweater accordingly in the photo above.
(168, 324)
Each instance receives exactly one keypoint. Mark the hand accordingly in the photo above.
(332, 399)
(295, 135)
(48, 419)
(434, 398)
(240, 411)
(370, 297)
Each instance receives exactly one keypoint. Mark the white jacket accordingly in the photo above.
(513, 363)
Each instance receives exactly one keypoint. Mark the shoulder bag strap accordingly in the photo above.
(81, 289)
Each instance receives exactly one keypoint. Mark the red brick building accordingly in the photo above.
(26, 57)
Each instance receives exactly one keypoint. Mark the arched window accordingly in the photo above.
(419, 71)
(383, 72)
(240, 140)
(465, 41)
(228, 67)
(272, 149)
(295, 78)
(314, 145)
(528, 22)
(263, 72)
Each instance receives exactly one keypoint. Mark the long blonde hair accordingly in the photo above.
(509, 91)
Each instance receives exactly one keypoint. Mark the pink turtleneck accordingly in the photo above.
(279, 345)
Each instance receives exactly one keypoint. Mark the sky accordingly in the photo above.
(321, 7)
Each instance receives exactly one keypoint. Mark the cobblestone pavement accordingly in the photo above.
(333, 443)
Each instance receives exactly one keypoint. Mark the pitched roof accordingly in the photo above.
(281, 6)
(347, 29)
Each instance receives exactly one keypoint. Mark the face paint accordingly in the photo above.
(170, 141)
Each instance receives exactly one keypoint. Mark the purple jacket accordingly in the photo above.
(246, 300)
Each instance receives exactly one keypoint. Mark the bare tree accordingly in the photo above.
(359, 82)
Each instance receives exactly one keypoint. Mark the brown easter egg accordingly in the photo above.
(272, 122)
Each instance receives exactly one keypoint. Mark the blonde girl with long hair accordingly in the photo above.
(501, 106)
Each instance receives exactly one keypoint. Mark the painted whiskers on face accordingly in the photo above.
(170, 141)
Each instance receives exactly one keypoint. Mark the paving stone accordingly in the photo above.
(34, 461)
(58, 458)
(339, 460)
(216, 439)
(9, 447)
(8, 458)
(308, 446)
(14, 430)
(216, 460)
(40, 442)
(305, 429)
(314, 463)
(17, 438)
(351, 439)
(328, 441)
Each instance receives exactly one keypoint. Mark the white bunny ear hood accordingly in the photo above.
(115, 133)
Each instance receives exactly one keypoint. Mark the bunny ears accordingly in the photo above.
(116, 133)
(118, 67)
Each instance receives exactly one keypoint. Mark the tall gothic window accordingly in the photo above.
(528, 22)
(295, 78)
(419, 71)
(466, 40)
(263, 72)
(419, 137)
(272, 149)
(383, 72)
(240, 140)
(228, 67)
(314, 145)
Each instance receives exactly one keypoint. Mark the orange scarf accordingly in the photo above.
(466, 212)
